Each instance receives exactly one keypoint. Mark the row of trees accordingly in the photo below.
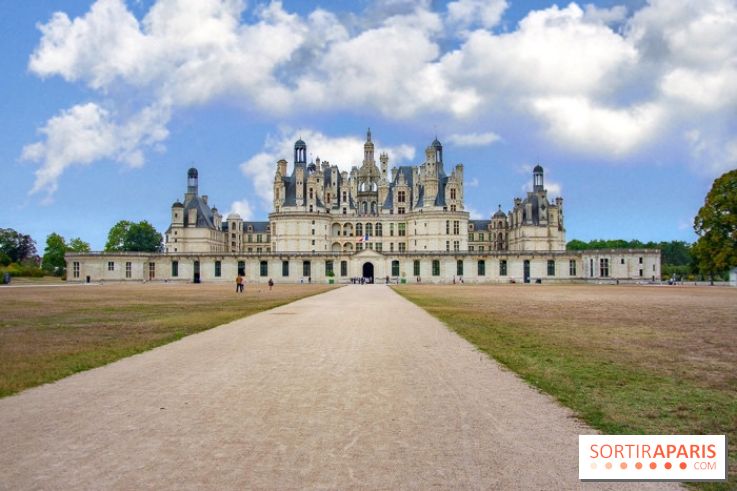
(19, 256)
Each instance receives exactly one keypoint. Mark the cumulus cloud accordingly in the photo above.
(472, 183)
(595, 80)
(243, 208)
(343, 151)
(473, 139)
(88, 132)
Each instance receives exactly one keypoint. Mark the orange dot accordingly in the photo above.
(623, 465)
(653, 465)
(638, 465)
(593, 465)
(608, 465)
(668, 465)
(683, 465)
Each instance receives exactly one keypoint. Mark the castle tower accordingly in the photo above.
(537, 179)
(192, 184)
(300, 152)
(368, 149)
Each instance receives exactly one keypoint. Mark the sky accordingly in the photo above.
(628, 105)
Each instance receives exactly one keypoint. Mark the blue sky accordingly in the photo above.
(629, 106)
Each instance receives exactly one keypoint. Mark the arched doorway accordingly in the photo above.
(368, 272)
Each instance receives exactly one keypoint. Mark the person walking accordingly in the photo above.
(239, 284)
(271, 284)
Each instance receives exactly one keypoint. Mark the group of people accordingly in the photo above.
(360, 280)
(240, 283)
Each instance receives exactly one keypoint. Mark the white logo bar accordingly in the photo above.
(652, 457)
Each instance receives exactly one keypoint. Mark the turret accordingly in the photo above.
(300, 152)
(192, 184)
(368, 149)
(537, 179)
(384, 159)
(177, 213)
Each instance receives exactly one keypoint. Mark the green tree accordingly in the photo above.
(16, 246)
(53, 260)
(716, 226)
(78, 245)
(134, 237)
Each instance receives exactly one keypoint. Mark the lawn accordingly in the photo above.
(627, 359)
(50, 332)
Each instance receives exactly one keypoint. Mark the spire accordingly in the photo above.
(368, 135)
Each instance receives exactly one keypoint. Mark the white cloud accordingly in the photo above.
(473, 139)
(243, 208)
(472, 183)
(474, 214)
(343, 151)
(486, 13)
(712, 153)
(88, 132)
(554, 189)
(592, 13)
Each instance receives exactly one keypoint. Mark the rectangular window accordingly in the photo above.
(572, 267)
(241, 268)
(456, 245)
(400, 196)
(481, 237)
(174, 269)
(640, 272)
(218, 269)
(400, 210)
(391, 229)
(151, 271)
(402, 247)
(329, 268)
(402, 229)
(436, 267)
(344, 268)
(471, 248)
(391, 247)
(622, 261)
(110, 266)
(447, 227)
(285, 268)
(417, 267)
(378, 247)
(459, 267)
(306, 269)
(640, 259)
(551, 267)
(75, 269)
(456, 227)
(128, 270)
(359, 246)
(604, 267)
(264, 268)
(447, 245)
(481, 268)
(503, 267)
(395, 268)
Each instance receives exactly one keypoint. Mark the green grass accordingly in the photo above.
(611, 391)
(48, 333)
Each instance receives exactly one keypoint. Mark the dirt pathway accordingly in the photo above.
(354, 388)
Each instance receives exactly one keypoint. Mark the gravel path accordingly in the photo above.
(353, 389)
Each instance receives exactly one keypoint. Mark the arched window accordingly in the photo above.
(369, 229)
(395, 268)
(373, 207)
(378, 230)
(359, 230)
(364, 207)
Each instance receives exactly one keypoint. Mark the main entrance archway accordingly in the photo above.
(368, 272)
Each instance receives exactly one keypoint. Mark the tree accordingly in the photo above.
(16, 246)
(133, 237)
(78, 245)
(716, 226)
(53, 260)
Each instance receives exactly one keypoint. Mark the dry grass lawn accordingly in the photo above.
(49, 332)
(628, 359)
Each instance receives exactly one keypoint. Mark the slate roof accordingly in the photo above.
(204, 213)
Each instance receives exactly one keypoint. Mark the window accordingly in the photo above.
(391, 229)
(471, 248)
(306, 268)
(452, 193)
(604, 267)
(151, 271)
(447, 227)
(378, 230)
(242, 268)
(456, 245)
(481, 237)
(174, 269)
(459, 267)
(400, 197)
(452, 207)
(622, 261)
(456, 227)
(640, 272)
(359, 230)
(402, 247)
(75, 269)
(447, 245)
(391, 247)
(110, 266)
(395, 268)
(128, 270)
(344, 268)
(369, 229)
(263, 268)
(481, 268)
(640, 259)
(436, 267)
(503, 267)
(481, 248)
(400, 210)
(218, 268)
(572, 267)
(285, 268)
(551, 267)
(379, 246)
(402, 229)
(329, 268)
(359, 246)
(416, 269)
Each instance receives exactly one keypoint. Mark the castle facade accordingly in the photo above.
(407, 224)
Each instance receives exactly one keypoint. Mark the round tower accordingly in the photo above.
(537, 178)
(300, 152)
